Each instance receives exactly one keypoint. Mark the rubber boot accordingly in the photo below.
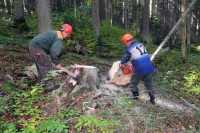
(135, 95)
(152, 98)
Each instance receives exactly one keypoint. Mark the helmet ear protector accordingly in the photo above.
(67, 28)
(126, 38)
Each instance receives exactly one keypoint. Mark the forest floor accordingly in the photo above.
(170, 114)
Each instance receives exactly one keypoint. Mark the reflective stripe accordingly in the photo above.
(59, 34)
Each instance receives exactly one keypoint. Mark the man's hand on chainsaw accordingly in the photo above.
(121, 65)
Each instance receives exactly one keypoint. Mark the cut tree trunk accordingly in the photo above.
(81, 77)
(116, 77)
(88, 77)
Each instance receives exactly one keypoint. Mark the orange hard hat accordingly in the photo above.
(126, 38)
(67, 28)
(127, 69)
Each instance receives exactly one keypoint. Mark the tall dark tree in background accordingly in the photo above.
(8, 5)
(108, 10)
(102, 11)
(146, 15)
(153, 8)
(19, 20)
(59, 6)
(95, 17)
(183, 29)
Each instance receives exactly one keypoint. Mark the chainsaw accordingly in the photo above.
(126, 69)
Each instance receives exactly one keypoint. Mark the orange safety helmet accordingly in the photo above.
(126, 38)
(127, 69)
(67, 28)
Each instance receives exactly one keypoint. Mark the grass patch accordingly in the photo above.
(9, 40)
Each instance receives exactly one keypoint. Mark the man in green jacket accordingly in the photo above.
(48, 43)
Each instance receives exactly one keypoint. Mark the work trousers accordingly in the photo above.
(41, 60)
(146, 78)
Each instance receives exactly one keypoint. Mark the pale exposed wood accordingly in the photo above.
(173, 29)
(118, 78)
(89, 78)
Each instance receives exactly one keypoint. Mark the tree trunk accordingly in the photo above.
(19, 20)
(102, 11)
(59, 5)
(154, 8)
(75, 16)
(44, 19)
(2, 5)
(108, 10)
(95, 17)
(188, 22)
(145, 30)
(125, 14)
(173, 29)
(8, 5)
(139, 18)
(183, 30)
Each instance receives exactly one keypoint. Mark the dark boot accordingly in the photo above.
(152, 98)
(135, 95)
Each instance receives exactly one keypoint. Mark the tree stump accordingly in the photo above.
(87, 78)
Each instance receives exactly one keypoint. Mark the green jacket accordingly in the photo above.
(50, 42)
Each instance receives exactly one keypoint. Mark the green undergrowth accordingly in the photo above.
(178, 73)
(22, 112)
(9, 40)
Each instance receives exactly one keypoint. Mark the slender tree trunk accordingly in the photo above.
(145, 30)
(8, 5)
(154, 8)
(102, 11)
(19, 20)
(59, 5)
(28, 6)
(95, 17)
(75, 16)
(173, 29)
(2, 3)
(183, 30)
(140, 4)
(108, 10)
(126, 14)
(188, 22)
